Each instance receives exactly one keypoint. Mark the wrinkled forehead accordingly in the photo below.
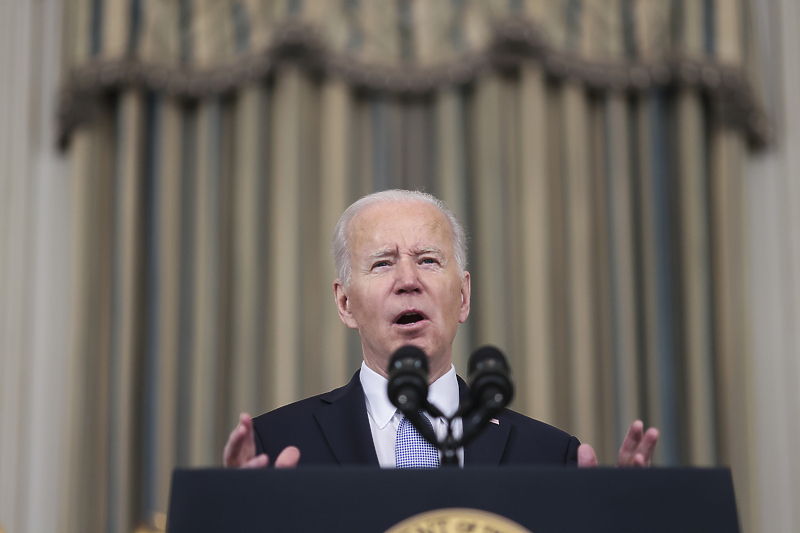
(417, 224)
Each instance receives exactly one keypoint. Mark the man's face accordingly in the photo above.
(405, 286)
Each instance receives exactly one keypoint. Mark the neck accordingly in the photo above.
(435, 371)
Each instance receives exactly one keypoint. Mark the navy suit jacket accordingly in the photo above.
(333, 429)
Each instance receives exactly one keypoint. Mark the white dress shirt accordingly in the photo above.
(384, 418)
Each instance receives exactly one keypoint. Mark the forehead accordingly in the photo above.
(400, 224)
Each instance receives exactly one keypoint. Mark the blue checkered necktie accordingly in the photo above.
(411, 449)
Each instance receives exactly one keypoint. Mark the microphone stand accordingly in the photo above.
(408, 390)
(473, 420)
(449, 445)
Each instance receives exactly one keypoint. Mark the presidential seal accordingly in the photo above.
(456, 520)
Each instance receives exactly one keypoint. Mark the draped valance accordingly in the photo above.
(194, 50)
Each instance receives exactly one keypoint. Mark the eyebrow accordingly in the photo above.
(384, 252)
(428, 250)
(388, 252)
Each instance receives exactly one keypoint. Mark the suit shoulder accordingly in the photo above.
(302, 424)
(304, 408)
(535, 442)
(528, 424)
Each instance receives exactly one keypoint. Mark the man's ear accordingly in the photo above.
(466, 291)
(343, 305)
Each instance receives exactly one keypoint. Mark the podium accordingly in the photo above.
(481, 500)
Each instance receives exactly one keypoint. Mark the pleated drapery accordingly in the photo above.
(593, 148)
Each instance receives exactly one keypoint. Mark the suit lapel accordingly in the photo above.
(346, 426)
(489, 445)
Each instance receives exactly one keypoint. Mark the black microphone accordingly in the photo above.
(408, 379)
(408, 388)
(490, 390)
(488, 378)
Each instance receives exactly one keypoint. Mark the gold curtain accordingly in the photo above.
(594, 149)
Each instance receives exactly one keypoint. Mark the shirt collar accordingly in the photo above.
(443, 393)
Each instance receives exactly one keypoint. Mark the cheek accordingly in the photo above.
(455, 290)
(451, 301)
(366, 306)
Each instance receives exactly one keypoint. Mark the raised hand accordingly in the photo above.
(240, 450)
(636, 451)
(638, 447)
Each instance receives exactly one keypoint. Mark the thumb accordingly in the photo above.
(586, 456)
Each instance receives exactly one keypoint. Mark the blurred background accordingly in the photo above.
(171, 172)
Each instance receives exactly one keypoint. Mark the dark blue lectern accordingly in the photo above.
(541, 500)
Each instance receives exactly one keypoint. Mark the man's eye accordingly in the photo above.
(380, 264)
(430, 261)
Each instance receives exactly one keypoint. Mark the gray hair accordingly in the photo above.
(341, 252)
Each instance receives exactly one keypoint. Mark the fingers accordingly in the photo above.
(638, 446)
(636, 450)
(231, 449)
(586, 456)
(240, 448)
(259, 461)
(648, 445)
(288, 458)
(633, 438)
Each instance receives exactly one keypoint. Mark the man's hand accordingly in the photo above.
(636, 450)
(240, 450)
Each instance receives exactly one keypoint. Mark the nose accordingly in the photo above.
(407, 278)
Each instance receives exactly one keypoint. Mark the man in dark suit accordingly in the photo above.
(400, 258)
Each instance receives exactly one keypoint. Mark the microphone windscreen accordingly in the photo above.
(408, 379)
(487, 357)
(407, 358)
(488, 378)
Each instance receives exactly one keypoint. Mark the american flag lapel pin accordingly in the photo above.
(494, 421)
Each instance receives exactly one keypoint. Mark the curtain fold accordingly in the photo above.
(622, 230)
(336, 147)
(534, 240)
(164, 307)
(285, 254)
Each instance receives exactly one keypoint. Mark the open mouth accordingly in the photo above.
(409, 318)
